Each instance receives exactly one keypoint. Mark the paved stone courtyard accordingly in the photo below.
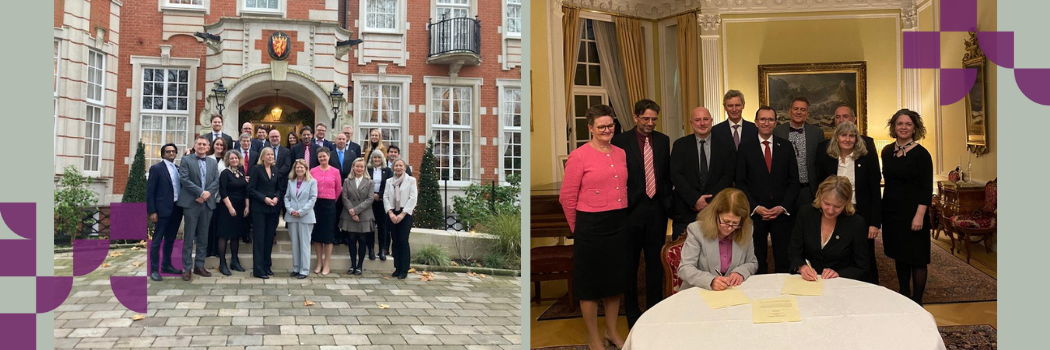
(368, 312)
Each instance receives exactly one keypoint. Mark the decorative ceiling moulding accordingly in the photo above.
(661, 9)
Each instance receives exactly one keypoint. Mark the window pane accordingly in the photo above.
(581, 75)
(595, 75)
(592, 52)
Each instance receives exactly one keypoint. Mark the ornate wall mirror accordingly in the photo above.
(976, 104)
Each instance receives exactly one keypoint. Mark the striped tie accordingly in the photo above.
(650, 174)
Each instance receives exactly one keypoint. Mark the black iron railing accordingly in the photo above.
(460, 34)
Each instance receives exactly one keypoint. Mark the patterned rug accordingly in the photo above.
(972, 337)
(950, 280)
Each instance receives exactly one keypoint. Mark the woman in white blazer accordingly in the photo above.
(719, 251)
(399, 200)
(299, 202)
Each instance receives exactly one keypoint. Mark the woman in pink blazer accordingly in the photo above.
(594, 198)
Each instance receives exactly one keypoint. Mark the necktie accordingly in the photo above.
(307, 155)
(650, 173)
(204, 172)
(274, 151)
(703, 161)
(736, 135)
(245, 160)
(340, 159)
(799, 130)
(769, 157)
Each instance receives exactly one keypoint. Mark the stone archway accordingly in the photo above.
(296, 86)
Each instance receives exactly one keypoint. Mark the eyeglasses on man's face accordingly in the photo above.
(728, 225)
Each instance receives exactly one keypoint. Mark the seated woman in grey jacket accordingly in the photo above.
(719, 251)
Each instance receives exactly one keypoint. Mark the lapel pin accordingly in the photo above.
(836, 236)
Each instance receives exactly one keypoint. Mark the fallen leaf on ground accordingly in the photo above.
(384, 306)
(471, 274)
(137, 317)
(136, 264)
(454, 264)
(105, 265)
(142, 242)
(115, 254)
(386, 278)
(482, 275)
(308, 303)
(135, 248)
(412, 270)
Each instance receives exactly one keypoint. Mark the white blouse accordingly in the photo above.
(849, 170)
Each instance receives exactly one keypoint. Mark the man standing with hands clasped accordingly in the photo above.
(648, 200)
(199, 177)
(703, 166)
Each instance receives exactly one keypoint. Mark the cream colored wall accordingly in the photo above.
(540, 149)
(954, 115)
(810, 38)
(928, 87)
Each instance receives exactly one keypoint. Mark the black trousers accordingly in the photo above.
(401, 251)
(264, 229)
(647, 229)
(678, 227)
(382, 228)
(780, 230)
(165, 229)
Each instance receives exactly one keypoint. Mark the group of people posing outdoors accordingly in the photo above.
(730, 188)
(225, 191)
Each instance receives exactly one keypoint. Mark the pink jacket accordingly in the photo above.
(329, 183)
(594, 182)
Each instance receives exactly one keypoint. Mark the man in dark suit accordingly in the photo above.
(703, 167)
(303, 149)
(845, 113)
(162, 191)
(199, 177)
(216, 131)
(649, 198)
(249, 154)
(735, 129)
(354, 146)
(394, 153)
(342, 157)
(247, 128)
(804, 137)
(319, 133)
(767, 172)
(282, 157)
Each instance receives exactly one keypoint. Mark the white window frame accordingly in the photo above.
(506, 19)
(58, 80)
(400, 16)
(405, 81)
(471, 12)
(189, 99)
(504, 112)
(242, 8)
(88, 81)
(475, 126)
(167, 5)
(89, 125)
(138, 63)
(583, 91)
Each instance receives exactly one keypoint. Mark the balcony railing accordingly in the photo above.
(460, 34)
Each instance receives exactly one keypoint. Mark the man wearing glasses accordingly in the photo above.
(767, 172)
(162, 190)
(648, 201)
(199, 179)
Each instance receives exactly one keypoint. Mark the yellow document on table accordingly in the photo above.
(724, 298)
(795, 285)
(775, 310)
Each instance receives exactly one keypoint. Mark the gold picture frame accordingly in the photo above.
(825, 85)
(976, 107)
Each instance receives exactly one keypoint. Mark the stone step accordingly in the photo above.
(282, 263)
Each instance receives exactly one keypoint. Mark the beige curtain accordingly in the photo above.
(632, 56)
(571, 45)
(613, 79)
(688, 64)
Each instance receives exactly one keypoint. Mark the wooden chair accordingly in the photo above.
(980, 223)
(671, 255)
(549, 263)
(936, 224)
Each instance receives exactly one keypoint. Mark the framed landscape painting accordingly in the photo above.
(825, 85)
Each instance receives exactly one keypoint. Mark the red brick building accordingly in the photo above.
(447, 70)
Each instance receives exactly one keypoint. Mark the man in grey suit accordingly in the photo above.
(199, 177)
(804, 138)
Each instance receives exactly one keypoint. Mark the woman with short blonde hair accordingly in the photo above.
(828, 240)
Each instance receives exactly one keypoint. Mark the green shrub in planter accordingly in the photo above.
(73, 199)
(506, 226)
(480, 200)
(433, 255)
(498, 260)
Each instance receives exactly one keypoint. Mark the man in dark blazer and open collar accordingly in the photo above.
(647, 207)
(282, 157)
(162, 191)
(804, 137)
(771, 187)
(199, 177)
(216, 131)
(733, 102)
(299, 151)
(248, 128)
(698, 180)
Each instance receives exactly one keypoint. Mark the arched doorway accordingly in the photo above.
(283, 114)
(302, 100)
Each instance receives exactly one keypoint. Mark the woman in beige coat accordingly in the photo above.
(356, 220)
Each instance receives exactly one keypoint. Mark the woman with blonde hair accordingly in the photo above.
(379, 173)
(848, 156)
(357, 218)
(828, 240)
(299, 203)
(399, 200)
(266, 190)
(722, 232)
(374, 142)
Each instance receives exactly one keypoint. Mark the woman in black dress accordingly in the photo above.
(232, 211)
(908, 170)
(380, 173)
(848, 156)
(265, 188)
(218, 151)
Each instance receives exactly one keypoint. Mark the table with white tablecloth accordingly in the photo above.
(849, 315)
